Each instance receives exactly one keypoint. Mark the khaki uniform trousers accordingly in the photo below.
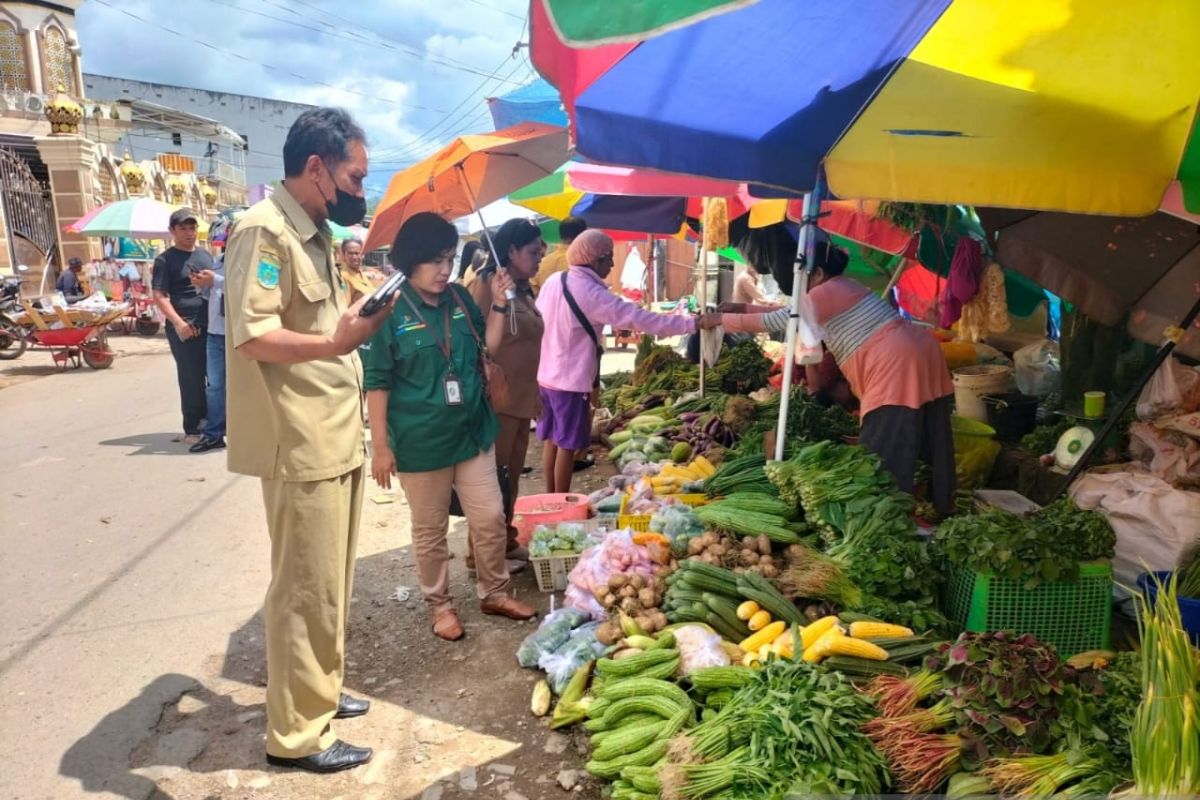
(428, 495)
(314, 532)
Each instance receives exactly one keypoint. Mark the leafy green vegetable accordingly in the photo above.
(1043, 438)
(1188, 573)
(1006, 690)
(741, 369)
(1046, 546)
(922, 617)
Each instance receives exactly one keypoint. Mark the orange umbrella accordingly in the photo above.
(467, 174)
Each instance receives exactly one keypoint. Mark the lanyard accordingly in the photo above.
(444, 344)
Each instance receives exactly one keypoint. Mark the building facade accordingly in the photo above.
(63, 153)
(262, 123)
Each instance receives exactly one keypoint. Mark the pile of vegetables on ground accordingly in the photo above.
(773, 629)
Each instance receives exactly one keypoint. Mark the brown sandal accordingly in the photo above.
(446, 626)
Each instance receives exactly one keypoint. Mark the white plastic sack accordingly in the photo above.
(1161, 397)
(710, 345)
(809, 333)
(1154, 522)
(1038, 369)
(1169, 454)
(699, 648)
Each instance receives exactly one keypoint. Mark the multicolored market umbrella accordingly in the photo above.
(588, 24)
(1043, 104)
(467, 174)
(135, 218)
(557, 197)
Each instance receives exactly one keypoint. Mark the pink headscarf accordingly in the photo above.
(588, 246)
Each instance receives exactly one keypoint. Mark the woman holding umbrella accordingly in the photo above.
(433, 423)
(896, 370)
(519, 245)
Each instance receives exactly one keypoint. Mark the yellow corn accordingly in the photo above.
(747, 610)
(783, 647)
(734, 652)
(760, 620)
(811, 633)
(823, 646)
(704, 466)
(750, 660)
(877, 630)
(763, 636)
(848, 646)
(764, 652)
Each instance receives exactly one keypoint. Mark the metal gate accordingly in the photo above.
(28, 207)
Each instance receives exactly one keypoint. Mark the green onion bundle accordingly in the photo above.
(1165, 739)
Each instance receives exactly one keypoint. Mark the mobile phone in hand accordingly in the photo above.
(383, 295)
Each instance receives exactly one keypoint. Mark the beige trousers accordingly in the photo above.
(428, 495)
(314, 531)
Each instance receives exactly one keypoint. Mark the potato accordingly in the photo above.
(767, 559)
(600, 594)
(757, 570)
(616, 581)
(610, 600)
(637, 581)
(630, 606)
(748, 559)
(660, 619)
(769, 570)
(646, 622)
(795, 551)
(764, 544)
(696, 546)
(646, 598)
(608, 633)
(628, 591)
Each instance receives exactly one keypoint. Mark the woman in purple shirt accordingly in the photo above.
(576, 305)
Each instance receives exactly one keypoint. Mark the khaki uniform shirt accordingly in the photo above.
(553, 263)
(291, 422)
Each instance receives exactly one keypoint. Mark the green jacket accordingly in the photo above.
(425, 433)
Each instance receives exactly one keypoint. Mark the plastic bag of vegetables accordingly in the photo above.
(552, 634)
(699, 648)
(561, 664)
(679, 524)
(617, 553)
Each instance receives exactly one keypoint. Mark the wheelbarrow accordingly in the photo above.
(80, 339)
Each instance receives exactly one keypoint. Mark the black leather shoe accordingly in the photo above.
(351, 707)
(206, 444)
(335, 758)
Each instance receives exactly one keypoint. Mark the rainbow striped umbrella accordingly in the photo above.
(135, 218)
(1086, 107)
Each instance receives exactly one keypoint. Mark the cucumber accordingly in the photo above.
(726, 609)
(619, 450)
(620, 437)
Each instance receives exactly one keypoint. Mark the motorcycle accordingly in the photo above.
(12, 335)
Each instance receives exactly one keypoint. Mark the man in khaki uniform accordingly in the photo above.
(295, 421)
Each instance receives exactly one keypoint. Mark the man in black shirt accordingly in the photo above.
(187, 313)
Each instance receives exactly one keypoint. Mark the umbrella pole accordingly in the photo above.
(1114, 418)
(703, 286)
(511, 294)
(805, 250)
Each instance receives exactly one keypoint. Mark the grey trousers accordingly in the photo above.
(901, 436)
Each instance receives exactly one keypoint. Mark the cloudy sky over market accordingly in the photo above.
(414, 73)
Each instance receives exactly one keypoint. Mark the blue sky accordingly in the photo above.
(415, 73)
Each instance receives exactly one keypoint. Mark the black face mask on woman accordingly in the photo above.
(345, 209)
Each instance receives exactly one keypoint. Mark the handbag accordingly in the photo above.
(495, 382)
(456, 509)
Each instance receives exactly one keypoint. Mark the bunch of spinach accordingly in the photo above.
(1085, 534)
(999, 543)
(1006, 691)
(882, 554)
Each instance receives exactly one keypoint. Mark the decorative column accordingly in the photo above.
(70, 158)
(34, 52)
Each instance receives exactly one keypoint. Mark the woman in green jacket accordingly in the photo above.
(432, 423)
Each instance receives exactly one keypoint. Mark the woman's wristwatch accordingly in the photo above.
(499, 309)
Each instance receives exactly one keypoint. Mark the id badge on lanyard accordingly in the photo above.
(451, 385)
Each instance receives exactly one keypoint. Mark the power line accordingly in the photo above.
(358, 38)
(497, 10)
(241, 57)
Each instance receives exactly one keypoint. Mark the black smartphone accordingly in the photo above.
(383, 295)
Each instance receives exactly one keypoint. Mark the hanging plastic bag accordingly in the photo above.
(1038, 370)
(710, 345)
(1161, 397)
(809, 333)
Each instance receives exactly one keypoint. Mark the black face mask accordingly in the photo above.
(345, 209)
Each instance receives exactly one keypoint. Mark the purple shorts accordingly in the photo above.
(566, 418)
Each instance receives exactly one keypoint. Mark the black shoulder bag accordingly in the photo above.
(587, 326)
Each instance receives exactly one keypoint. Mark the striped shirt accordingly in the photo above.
(849, 330)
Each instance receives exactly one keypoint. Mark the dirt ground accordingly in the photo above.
(444, 704)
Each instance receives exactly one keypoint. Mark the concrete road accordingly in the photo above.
(132, 576)
(125, 559)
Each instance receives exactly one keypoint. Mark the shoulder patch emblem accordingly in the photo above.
(268, 274)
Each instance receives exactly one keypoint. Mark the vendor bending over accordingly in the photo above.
(896, 370)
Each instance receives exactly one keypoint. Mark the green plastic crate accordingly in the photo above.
(1073, 616)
